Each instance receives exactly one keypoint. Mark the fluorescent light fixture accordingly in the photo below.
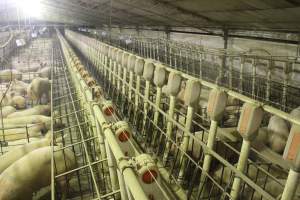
(31, 8)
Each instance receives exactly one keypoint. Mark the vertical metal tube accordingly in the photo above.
(169, 127)
(157, 51)
(119, 72)
(123, 190)
(114, 73)
(268, 89)
(170, 55)
(200, 65)
(112, 168)
(242, 163)
(137, 91)
(230, 72)
(291, 185)
(130, 85)
(185, 141)
(207, 159)
(124, 81)
(146, 98)
(285, 85)
(242, 73)
(253, 77)
(104, 66)
(156, 112)
(109, 70)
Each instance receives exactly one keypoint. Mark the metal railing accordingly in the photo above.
(255, 73)
(264, 173)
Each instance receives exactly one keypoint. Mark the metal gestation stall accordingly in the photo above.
(25, 58)
(199, 157)
(256, 73)
(109, 164)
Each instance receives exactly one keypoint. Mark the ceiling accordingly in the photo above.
(201, 14)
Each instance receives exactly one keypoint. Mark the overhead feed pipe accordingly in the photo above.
(130, 177)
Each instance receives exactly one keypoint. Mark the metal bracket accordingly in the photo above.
(126, 162)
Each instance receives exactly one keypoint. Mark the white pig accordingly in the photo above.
(18, 87)
(10, 74)
(45, 72)
(33, 172)
(17, 153)
(14, 133)
(278, 132)
(295, 113)
(32, 119)
(36, 110)
(10, 99)
(6, 110)
(38, 88)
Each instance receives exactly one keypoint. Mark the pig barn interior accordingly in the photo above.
(149, 100)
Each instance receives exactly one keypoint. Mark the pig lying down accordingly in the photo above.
(18, 87)
(11, 99)
(37, 110)
(6, 110)
(8, 75)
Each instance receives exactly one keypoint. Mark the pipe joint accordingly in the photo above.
(106, 125)
(124, 163)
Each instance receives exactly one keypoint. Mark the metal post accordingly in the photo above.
(124, 81)
(285, 85)
(114, 73)
(137, 92)
(242, 73)
(156, 112)
(200, 64)
(111, 168)
(230, 72)
(253, 77)
(146, 98)
(130, 85)
(241, 166)
(109, 69)
(207, 159)
(123, 190)
(268, 89)
(185, 141)
(292, 182)
(169, 128)
(291, 185)
(119, 72)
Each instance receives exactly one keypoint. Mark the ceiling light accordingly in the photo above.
(31, 8)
